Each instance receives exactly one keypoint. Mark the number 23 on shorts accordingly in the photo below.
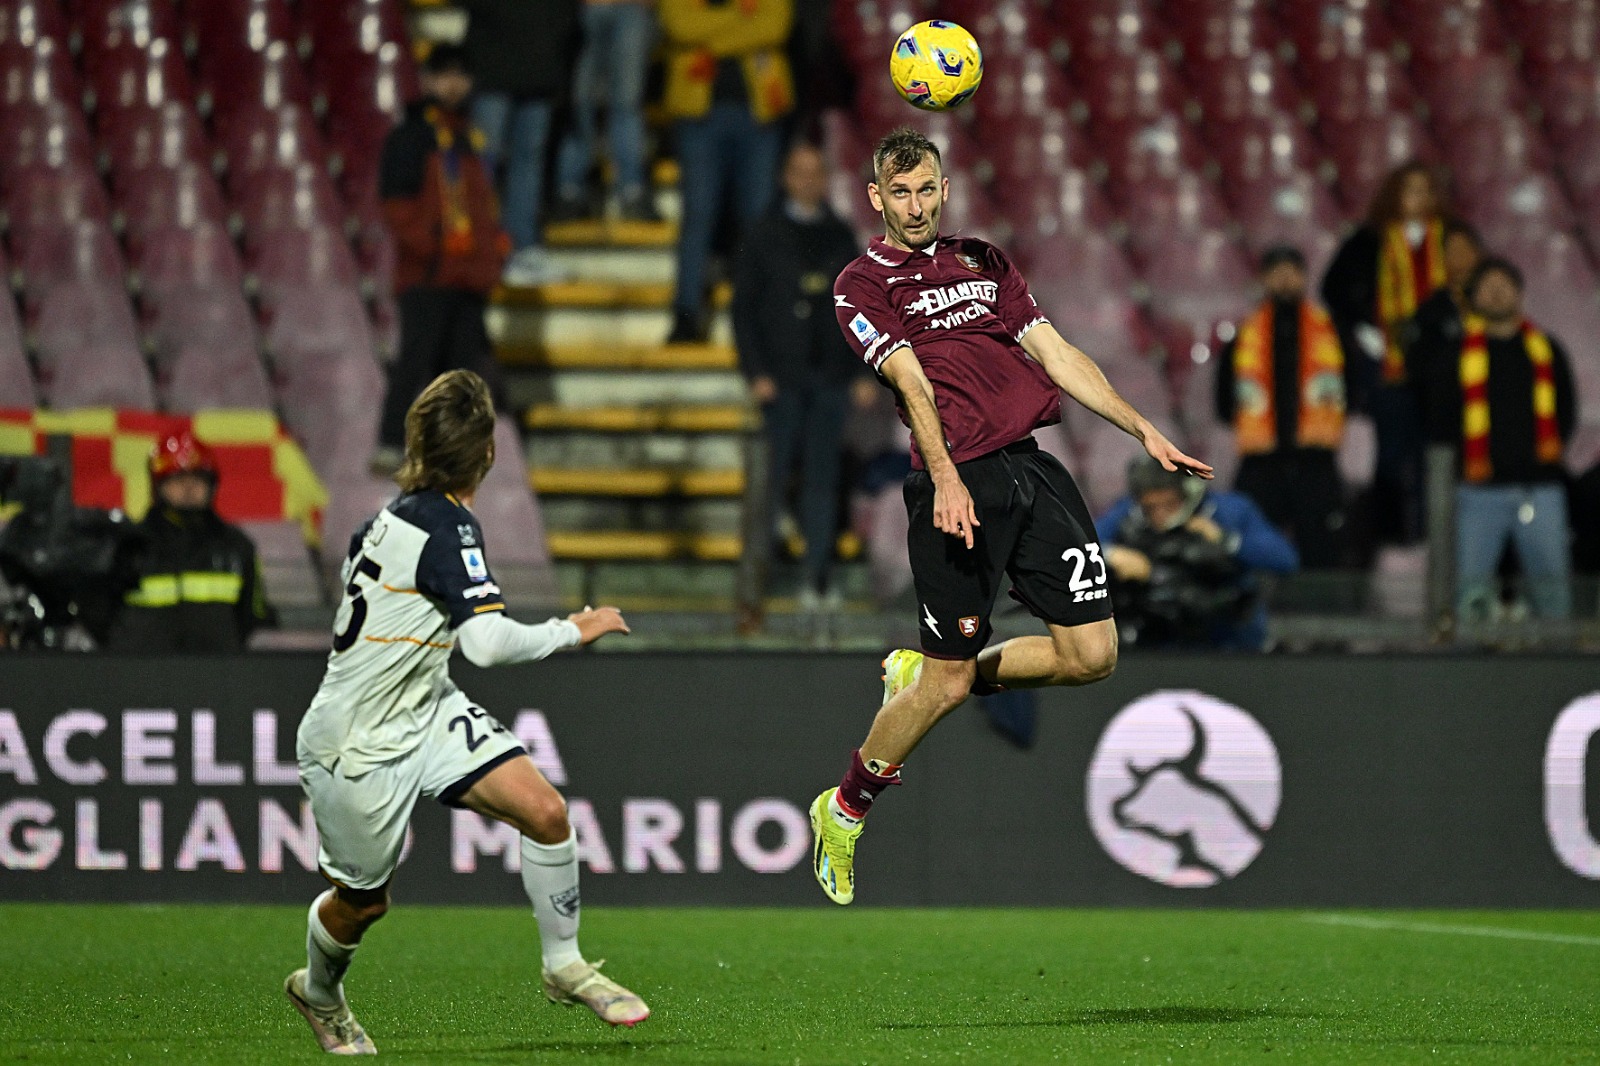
(1086, 588)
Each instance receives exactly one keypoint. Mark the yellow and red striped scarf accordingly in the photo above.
(1402, 288)
(1321, 391)
(1475, 463)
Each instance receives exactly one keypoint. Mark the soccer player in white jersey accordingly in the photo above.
(388, 724)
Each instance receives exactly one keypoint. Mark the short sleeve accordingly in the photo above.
(454, 573)
(871, 326)
(1016, 307)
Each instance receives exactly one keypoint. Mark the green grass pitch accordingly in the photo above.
(823, 987)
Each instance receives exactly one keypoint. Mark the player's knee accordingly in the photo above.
(1086, 661)
(948, 685)
(364, 905)
(547, 818)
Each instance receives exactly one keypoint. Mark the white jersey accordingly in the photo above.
(414, 573)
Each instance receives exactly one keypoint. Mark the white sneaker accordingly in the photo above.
(532, 266)
(336, 1028)
(581, 982)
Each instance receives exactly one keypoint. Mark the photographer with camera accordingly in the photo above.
(199, 579)
(1184, 561)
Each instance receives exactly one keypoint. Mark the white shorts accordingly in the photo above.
(361, 821)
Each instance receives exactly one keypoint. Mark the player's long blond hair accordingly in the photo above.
(449, 435)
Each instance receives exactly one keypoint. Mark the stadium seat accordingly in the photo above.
(1293, 208)
(1366, 149)
(264, 139)
(301, 197)
(37, 74)
(1472, 86)
(88, 348)
(1325, 31)
(50, 135)
(127, 75)
(1083, 282)
(361, 87)
(331, 406)
(1030, 84)
(54, 255)
(1444, 30)
(1513, 206)
(1347, 87)
(1202, 277)
(866, 30)
(167, 136)
(157, 198)
(1098, 28)
(1157, 148)
(1554, 31)
(1053, 200)
(508, 511)
(228, 27)
(104, 22)
(210, 368)
(1483, 150)
(1130, 86)
(252, 81)
(17, 388)
(1577, 155)
(1568, 91)
(287, 569)
(28, 21)
(1275, 143)
(1212, 30)
(55, 191)
(1159, 208)
(1005, 28)
(290, 257)
(1239, 88)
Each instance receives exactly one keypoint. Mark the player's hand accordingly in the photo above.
(763, 390)
(1128, 564)
(1167, 454)
(953, 511)
(595, 622)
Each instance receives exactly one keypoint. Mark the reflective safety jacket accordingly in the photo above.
(199, 587)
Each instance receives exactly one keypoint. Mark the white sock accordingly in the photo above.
(326, 960)
(840, 815)
(550, 877)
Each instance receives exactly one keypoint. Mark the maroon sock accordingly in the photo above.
(980, 687)
(860, 786)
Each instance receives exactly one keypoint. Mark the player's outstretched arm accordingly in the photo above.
(1079, 377)
(595, 622)
(495, 640)
(953, 511)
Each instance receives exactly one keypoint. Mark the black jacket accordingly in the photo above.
(200, 587)
(1511, 418)
(1350, 293)
(783, 316)
(1285, 377)
(523, 47)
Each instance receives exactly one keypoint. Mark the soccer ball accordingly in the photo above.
(936, 65)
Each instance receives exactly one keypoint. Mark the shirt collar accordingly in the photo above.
(887, 254)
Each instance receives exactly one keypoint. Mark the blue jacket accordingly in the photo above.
(1255, 541)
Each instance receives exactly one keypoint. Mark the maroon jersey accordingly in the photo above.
(963, 309)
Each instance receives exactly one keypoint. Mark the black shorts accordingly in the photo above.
(1033, 526)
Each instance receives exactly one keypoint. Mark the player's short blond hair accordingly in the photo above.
(902, 150)
(449, 435)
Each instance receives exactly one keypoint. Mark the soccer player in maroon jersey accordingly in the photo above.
(949, 325)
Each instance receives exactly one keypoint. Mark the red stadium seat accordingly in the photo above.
(102, 22)
(155, 200)
(1483, 150)
(88, 348)
(327, 402)
(1325, 31)
(1224, 29)
(1030, 85)
(168, 136)
(1515, 206)
(1098, 28)
(1056, 200)
(254, 81)
(225, 27)
(290, 257)
(276, 139)
(1084, 283)
(48, 197)
(51, 257)
(47, 135)
(1577, 156)
(866, 30)
(1443, 30)
(1022, 149)
(1004, 28)
(1267, 144)
(38, 74)
(1294, 208)
(1159, 147)
(1235, 89)
(1568, 91)
(17, 387)
(1554, 31)
(131, 75)
(298, 198)
(28, 21)
(178, 257)
(1475, 86)
(1130, 86)
(204, 344)
(1365, 150)
(1368, 85)
(1199, 278)
(361, 87)
(1160, 209)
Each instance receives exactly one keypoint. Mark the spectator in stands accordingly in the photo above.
(728, 85)
(617, 38)
(1434, 333)
(520, 55)
(1282, 383)
(439, 201)
(1379, 278)
(1184, 561)
(800, 370)
(199, 579)
(1508, 407)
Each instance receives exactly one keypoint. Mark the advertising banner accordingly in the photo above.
(1425, 781)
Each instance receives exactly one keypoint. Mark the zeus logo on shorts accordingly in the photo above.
(865, 331)
(477, 569)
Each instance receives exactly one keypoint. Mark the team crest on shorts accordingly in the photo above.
(968, 625)
(970, 262)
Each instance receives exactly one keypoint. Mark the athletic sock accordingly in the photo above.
(326, 960)
(980, 687)
(859, 787)
(550, 877)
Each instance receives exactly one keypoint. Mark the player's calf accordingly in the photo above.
(1084, 654)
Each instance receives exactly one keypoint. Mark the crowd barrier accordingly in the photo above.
(1403, 781)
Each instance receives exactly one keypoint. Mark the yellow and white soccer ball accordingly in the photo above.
(936, 65)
